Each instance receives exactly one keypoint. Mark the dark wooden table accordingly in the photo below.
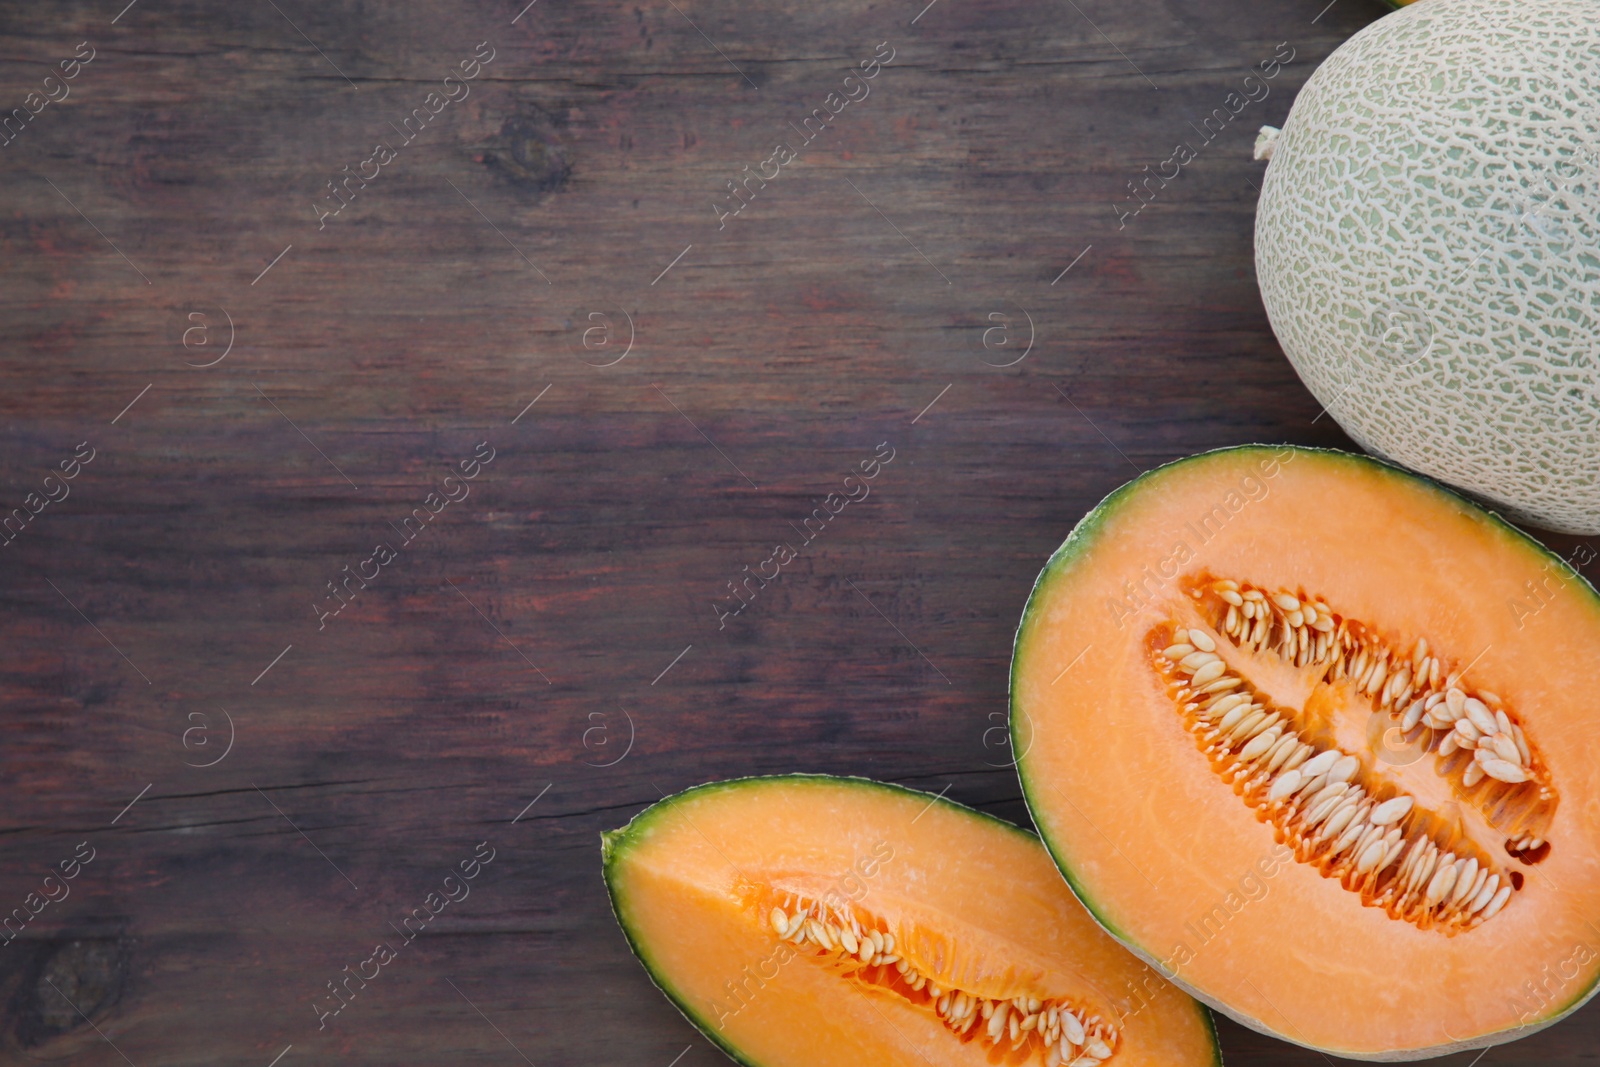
(548, 272)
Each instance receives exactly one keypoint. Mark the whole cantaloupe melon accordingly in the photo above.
(1428, 248)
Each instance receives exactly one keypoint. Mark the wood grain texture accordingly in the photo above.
(512, 650)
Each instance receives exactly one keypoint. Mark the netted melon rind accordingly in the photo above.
(1428, 248)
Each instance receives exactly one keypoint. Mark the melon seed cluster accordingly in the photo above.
(1378, 848)
(1056, 1032)
(1414, 689)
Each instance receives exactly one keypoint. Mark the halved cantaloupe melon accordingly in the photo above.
(1317, 738)
(813, 921)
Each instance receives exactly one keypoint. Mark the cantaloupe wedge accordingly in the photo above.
(807, 921)
(1318, 739)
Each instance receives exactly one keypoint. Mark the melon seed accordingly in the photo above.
(1370, 857)
(1320, 763)
(1506, 749)
(1498, 902)
(1284, 785)
(1440, 886)
(1286, 747)
(1479, 714)
(1392, 810)
(1412, 717)
(1259, 744)
(1503, 771)
(1345, 769)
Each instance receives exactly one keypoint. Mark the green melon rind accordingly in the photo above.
(614, 846)
(1080, 539)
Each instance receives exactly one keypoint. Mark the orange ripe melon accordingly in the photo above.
(834, 922)
(1315, 737)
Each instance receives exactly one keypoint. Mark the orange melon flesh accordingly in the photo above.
(974, 904)
(1190, 870)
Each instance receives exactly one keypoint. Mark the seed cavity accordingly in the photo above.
(1481, 745)
(1336, 816)
(1023, 1029)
